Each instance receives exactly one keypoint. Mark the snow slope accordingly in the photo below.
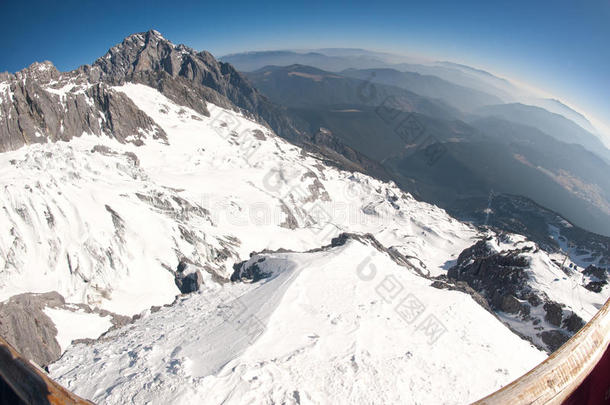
(106, 223)
(321, 329)
(72, 325)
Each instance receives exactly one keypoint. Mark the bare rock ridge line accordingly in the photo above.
(40, 104)
(250, 271)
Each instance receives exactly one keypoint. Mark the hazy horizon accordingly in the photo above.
(557, 47)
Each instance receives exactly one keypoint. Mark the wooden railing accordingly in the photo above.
(577, 373)
(25, 382)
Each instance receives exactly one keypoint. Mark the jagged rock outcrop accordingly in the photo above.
(40, 103)
(189, 78)
(573, 323)
(443, 283)
(502, 279)
(249, 271)
(555, 338)
(188, 278)
(597, 278)
(554, 313)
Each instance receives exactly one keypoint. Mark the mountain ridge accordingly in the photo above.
(241, 253)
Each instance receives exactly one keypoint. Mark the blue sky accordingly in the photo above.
(561, 47)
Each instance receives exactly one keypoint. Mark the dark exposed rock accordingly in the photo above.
(25, 326)
(595, 286)
(463, 287)
(554, 313)
(596, 272)
(188, 278)
(250, 270)
(554, 339)
(573, 323)
(499, 277)
(598, 278)
(510, 304)
(133, 158)
(182, 266)
(258, 134)
(369, 239)
(534, 300)
(102, 149)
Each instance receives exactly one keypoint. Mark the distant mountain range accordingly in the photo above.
(555, 125)
(339, 59)
(510, 148)
(459, 97)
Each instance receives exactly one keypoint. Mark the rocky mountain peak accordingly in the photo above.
(40, 109)
(42, 72)
(139, 52)
(187, 77)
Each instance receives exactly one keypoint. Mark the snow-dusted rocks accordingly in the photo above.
(535, 294)
(40, 104)
(188, 279)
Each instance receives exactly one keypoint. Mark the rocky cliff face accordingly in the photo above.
(26, 326)
(40, 104)
(501, 272)
(185, 76)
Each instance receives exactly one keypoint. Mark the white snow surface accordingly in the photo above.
(322, 329)
(77, 324)
(223, 187)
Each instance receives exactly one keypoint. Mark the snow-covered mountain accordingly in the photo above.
(312, 284)
(321, 328)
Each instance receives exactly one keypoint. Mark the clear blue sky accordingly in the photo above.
(562, 47)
